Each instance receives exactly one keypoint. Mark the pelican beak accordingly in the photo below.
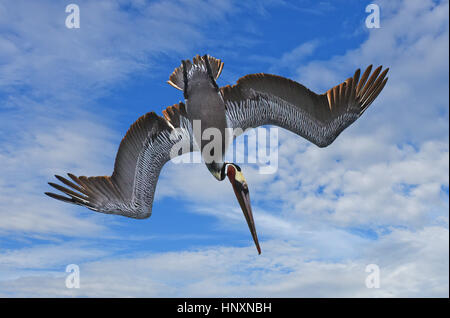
(241, 190)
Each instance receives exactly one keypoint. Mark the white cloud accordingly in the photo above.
(388, 170)
(411, 265)
(413, 42)
(382, 177)
(30, 157)
(47, 256)
(50, 80)
(112, 43)
(363, 183)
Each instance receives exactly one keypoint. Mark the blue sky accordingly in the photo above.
(378, 195)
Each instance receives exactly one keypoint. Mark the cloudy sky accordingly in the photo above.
(378, 195)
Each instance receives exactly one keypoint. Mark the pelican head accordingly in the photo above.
(240, 187)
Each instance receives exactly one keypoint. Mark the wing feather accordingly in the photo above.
(265, 99)
(142, 153)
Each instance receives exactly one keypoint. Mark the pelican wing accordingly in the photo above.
(144, 150)
(264, 99)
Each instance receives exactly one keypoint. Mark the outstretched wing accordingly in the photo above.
(146, 147)
(264, 99)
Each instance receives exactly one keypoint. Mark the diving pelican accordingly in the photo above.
(255, 100)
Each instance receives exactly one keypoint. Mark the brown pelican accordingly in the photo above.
(255, 100)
